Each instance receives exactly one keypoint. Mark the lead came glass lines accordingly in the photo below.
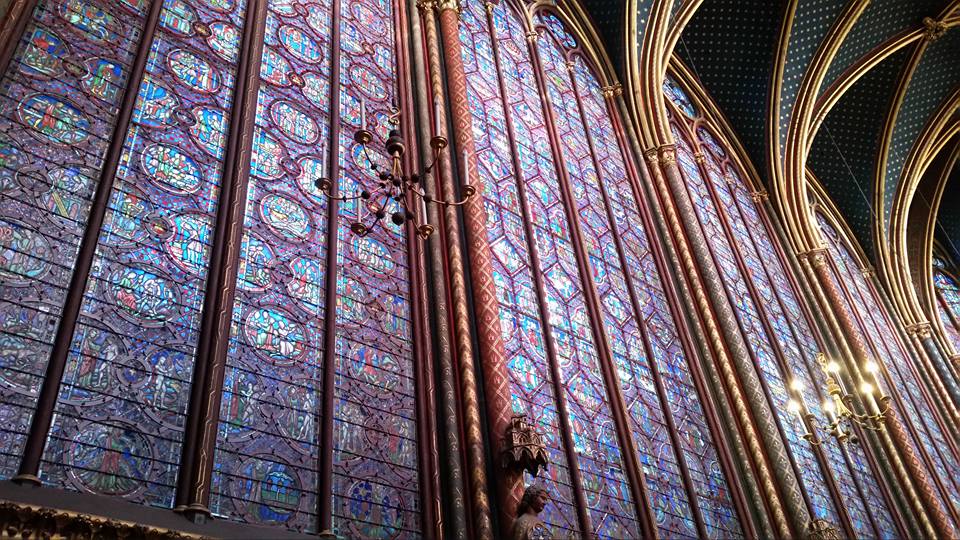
(699, 451)
(266, 464)
(793, 334)
(523, 335)
(59, 99)
(375, 484)
(749, 318)
(140, 317)
(662, 475)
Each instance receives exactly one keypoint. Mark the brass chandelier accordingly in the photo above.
(392, 186)
(839, 404)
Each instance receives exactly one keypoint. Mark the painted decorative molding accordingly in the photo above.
(27, 521)
(933, 29)
(612, 90)
(920, 330)
(523, 447)
(821, 529)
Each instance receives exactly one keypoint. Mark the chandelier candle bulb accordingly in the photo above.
(867, 388)
(797, 386)
(436, 118)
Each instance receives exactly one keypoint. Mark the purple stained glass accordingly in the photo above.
(266, 464)
(59, 100)
(122, 405)
(762, 344)
(868, 512)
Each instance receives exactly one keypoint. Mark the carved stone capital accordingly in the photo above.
(868, 272)
(933, 29)
(760, 196)
(612, 90)
(426, 5)
(700, 157)
(533, 36)
(920, 330)
(650, 155)
(668, 154)
(817, 256)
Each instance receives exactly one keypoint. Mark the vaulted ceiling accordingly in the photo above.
(884, 84)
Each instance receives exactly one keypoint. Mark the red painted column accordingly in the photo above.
(485, 303)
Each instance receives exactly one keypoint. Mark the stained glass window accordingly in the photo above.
(771, 317)
(545, 289)
(60, 96)
(121, 411)
(948, 305)
(900, 377)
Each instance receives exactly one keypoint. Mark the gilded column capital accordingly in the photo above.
(933, 29)
(490, 6)
(668, 153)
(700, 157)
(760, 196)
(868, 272)
(816, 256)
(532, 36)
(612, 90)
(444, 5)
(920, 330)
(651, 156)
(821, 529)
(426, 5)
(570, 65)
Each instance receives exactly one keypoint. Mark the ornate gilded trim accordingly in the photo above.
(612, 90)
(920, 330)
(28, 521)
(933, 29)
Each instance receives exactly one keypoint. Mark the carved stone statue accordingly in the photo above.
(528, 526)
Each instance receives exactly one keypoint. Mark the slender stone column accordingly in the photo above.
(19, 13)
(200, 437)
(929, 511)
(447, 402)
(486, 307)
(725, 345)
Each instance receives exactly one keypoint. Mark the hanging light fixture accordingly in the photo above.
(391, 186)
(838, 406)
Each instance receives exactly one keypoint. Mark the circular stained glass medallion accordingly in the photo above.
(44, 54)
(376, 510)
(111, 460)
(294, 123)
(224, 40)
(299, 44)
(271, 490)
(91, 19)
(373, 254)
(193, 71)
(142, 294)
(24, 253)
(171, 169)
(54, 119)
(275, 335)
(285, 217)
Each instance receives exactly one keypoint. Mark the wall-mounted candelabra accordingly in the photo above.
(840, 403)
(391, 186)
